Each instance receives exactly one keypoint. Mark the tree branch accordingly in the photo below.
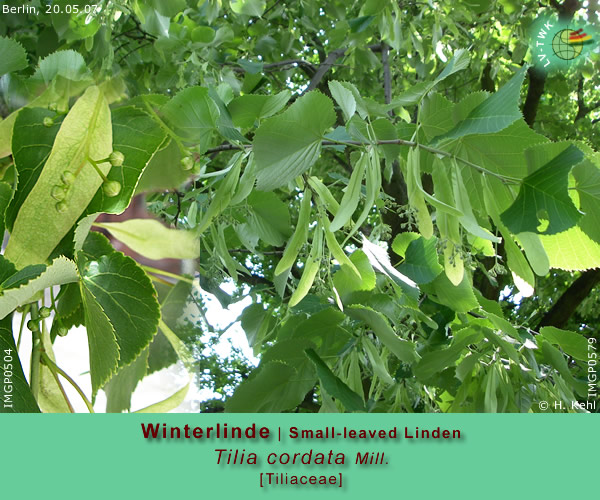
(322, 70)
(565, 306)
(537, 82)
(582, 108)
(387, 76)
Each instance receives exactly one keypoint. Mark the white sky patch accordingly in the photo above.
(439, 50)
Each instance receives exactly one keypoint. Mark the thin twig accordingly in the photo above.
(51, 363)
(60, 386)
(167, 273)
(387, 76)
(133, 50)
(398, 142)
(245, 250)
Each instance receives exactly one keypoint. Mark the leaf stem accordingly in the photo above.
(23, 316)
(167, 273)
(97, 168)
(54, 367)
(55, 375)
(160, 280)
(36, 346)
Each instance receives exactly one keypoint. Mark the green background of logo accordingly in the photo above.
(106, 456)
(569, 56)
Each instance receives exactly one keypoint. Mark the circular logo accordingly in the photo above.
(563, 47)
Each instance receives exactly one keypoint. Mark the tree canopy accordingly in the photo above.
(407, 195)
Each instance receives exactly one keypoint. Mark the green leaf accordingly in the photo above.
(496, 113)
(163, 170)
(536, 255)
(264, 391)
(270, 218)
(153, 240)
(572, 250)
(7, 271)
(322, 328)
(223, 194)
(168, 404)
(255, 322)
(58, 93)
(251, 67)
(178, 345)
(85, 133)
(573, 343)
(138, 137)
(286, 145)
(345, 280)
(459, 61)
(247, 109)
(421, 260)
(6, 195)
(411, 96)
(104, 350)
(193, 115)
(436, 115)
(31, 145)
(221, 251)
(401, 348)
(436, 361)
(344, 98)
(153, 21)
(522, 273)
(225, 125)
(66, 63)
(172, 311)
(377, 363)
(505, 345)
(544, 195)
(501, 153)
(168, 8)
(248, 7)
(126, 295)
(23, 276)
(21, 397)
(120, 387)
(587, 178)
(401, 242)
(490, 401)
(334, 386)
(50, 397)
(555, 358)
(458, 298)
(59, 272)
(14, 56)
(291, 352)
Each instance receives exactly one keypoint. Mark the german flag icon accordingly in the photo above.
(579, 37)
